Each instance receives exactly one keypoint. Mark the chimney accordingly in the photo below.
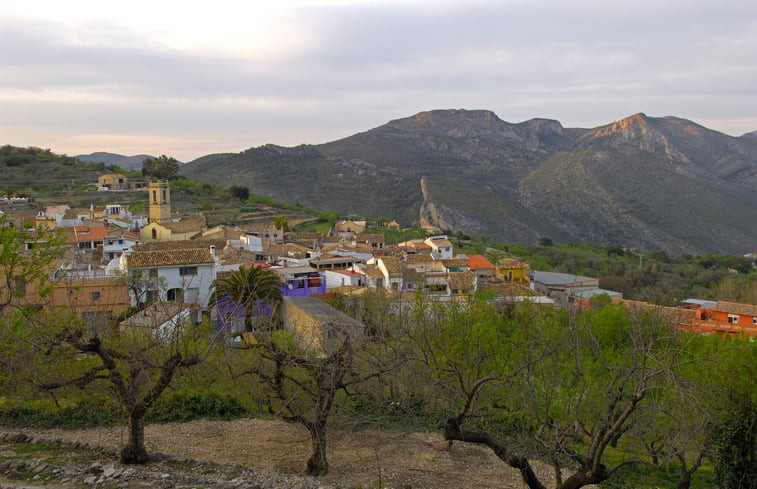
(213, 251)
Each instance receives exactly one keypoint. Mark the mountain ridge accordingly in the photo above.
(125, 162)
(471, 171)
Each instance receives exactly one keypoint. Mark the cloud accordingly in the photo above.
(327, 71)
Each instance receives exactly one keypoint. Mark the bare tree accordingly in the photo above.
(303, 388)
(136, 363)
(303, 378)
(581, 383)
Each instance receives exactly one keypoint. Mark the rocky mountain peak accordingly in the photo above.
(544, 127)
(630, 128)
(445, 121)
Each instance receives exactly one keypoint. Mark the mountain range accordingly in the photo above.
(125, 162)
(646, 182)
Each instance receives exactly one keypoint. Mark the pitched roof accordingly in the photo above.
(370, 237)
(461, 280)
(511, 263)
(439, 243)
(184, 244)
(478, 262)
(162, 258)
(673, 315)
(292, 250)
(392, 265)
(507, 289)
(736, 308)
(75, 213)
(372, 271)
(419, 258)
(454, 263)
(88, 233)
(156, 314)
(186, 225)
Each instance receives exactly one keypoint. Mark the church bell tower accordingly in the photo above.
(160, 201)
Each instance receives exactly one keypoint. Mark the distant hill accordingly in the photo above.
(125, 162)
(653, 183)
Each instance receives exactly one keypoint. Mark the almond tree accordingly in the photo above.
(579, 384)
(136, 364)
(302, 386)
(303, 381)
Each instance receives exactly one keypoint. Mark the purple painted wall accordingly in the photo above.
(304, 286)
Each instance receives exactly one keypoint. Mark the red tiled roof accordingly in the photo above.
(478, 262)
(87, 233)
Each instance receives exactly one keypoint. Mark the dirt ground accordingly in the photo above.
(367, 458)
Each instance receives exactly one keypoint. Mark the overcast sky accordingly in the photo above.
(186, 78)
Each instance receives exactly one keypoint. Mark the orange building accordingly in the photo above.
(89, 294)
(726, 318)
(723, 319)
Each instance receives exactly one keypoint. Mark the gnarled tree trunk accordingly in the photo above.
(134, 452)
(317, 463)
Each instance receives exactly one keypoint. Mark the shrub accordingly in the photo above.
(185, 407)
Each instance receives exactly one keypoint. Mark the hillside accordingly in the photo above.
(125, 162)
(655, 183)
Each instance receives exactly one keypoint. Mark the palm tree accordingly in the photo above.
(245, 287)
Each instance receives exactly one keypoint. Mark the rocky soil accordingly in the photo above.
(248, 453)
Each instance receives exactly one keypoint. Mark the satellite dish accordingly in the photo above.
(290, 286)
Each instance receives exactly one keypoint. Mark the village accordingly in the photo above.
(172, 262)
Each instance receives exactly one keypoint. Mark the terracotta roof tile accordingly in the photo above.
(461, 281)
(419, 258)
(186, 225)
(372, 271)
(674, 315)
(511, 263)
(161, 258)
(736, 308)
(184, 244)
(392, 265)
(503, 289)
(455, 262)
(478, 262)
(87, 233)
(370, 237)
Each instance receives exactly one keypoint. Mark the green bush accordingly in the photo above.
(84, 413)
(185, 407)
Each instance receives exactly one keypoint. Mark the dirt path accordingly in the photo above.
(367, 458)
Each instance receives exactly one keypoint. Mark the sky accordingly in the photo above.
(187, 79)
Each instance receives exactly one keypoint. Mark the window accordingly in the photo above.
(154, 234)
(183, 271)
(175, 295)
(20, 285)
(733, 319)
(95, 296)
(154, 196)
(754, 320)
